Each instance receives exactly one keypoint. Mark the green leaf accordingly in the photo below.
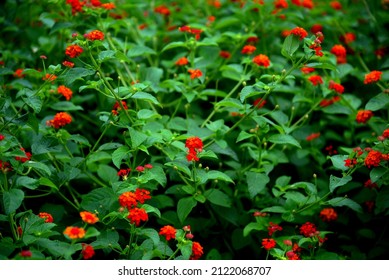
(35, 102)
(243, 135)
(137, 137)
(79, 139)
(146, 114)
(58, 248)
(39, 166)
(342, 201)
(338, 162)
(12, 200)
(248, 91)
(217, 175)
(106, 55)
(378, 102)
(218, 197)
(186, 250)
(106, 239)
(91, 232)
(119, 154)
(290, 46)
(322, 65)
(152, 234)
(184, 207)
(253, 226)
(47, 182)
(173, 45)
(107, 173)
(179, 166)
(151, 209)
(145, 96)
(27, 182)
(274, 209)
(76, 73)
(65, 106)
(100, 200)
(140, 51)
(377, 173)
(230, 102)
(256, 183)
(284, 139)
(336, 182)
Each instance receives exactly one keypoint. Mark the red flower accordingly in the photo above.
(2, 137)
(252, 40)
(336, 5)
(299, 32)
(181, 61)
(259, 102)
(348, 38)
(315, 80)
(5, 166)
(87, 251)
(316, 28)
(74, 232)
(292, 255)
(225, 54)
(312, 136)
(338, 50)
(373, 159)
(124, 173)
(27, 156)
(308, 229)
(65, 91)
(262, 60)
(280, 4)
(148, 166)
(272, 228)
(268, 243)
(328, 102)
(363, 116)
(128, 199)
(73, 51)
(372, 77)
(248, 49)
(350, 162)
(168, 231)
(330, 150)
(136, 215)
(195, 73)
(336, 87)
(88, 217)
(307, 70)
(26, 254)
(141, 195)
(60, 119)
(140, 168)
(307, 4)
(46, 216)
(116, 107)
(76, 5)
(368, 184)
(49, 77)
(163, 10)
(194, 143)
(385, 134)
(328, 214)
(197, 251)
(68, 64)
(18, 73)
(95, 35)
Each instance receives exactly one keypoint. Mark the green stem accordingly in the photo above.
(68, 201)
(13, 226)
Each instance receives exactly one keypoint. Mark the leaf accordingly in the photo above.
(47, 182)
(146, 114)
(137, 137)
(91, 232)
(140, 51)
(27, 182)
(107, 173)
(338, 162)
(284, 139)
(79, 139)
(179, 166)
(230, 102)
(253, 226)
(256, 183)
(76, 73)
(173, 45)
(378, 102)
(12, 200)
(290, 46)
(274, 209)
(38, 165)
(145, 96)
(119, 154)
(322, 65)
(186, 250)
(35, 102)
(377, 173)
(106, 239)
(218, 197)
(184, 207)
(151, 209)
(106, 55)
(58, 248)
(101, 200)
(152, 234)
(336, 182)
(65, 106)
(342, 201)
(248, 91)
(217, 175)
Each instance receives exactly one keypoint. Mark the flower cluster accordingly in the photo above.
(299, 32)
(130, 200)
(27, 156)
(262, 60)
(87, 251)
(194, 31)
(372, 77)
(88, 217)
(195, 73)
(340, 52)
(373, 159)
(336, 87)
(65, 91)
(363, 116)
(116, 107)
(197, 251)
(328, 214)
(272, 228)
(315, 80)
(60, 119)
(46, 216)
(268, 243)
(73, 51)
(168, 231)
(194, 145)
(248, 49)
(74, 232)
(95, 35)
(308, 229)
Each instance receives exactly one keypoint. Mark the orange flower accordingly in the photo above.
(60, 119)
(168, 231)
(328, 214)
(336, 5)
(262, 60)
(280, 4)
(74, 232)
(65, 91)
(363, 116)
(87, 251)
(136, 215)
(46, 216)
(195, 73)
(95, 35)
(315, 80)
(18, 73)
(163, 10)
(259, 103)
(68, 64)
(248, 49)
(197, 251)
(116, 107)
(128, 199)
(73, 51)
(338, 50)
(181, 61)
(108, 6)
(49, 77)
(312, 136)
(336, 87)
(348, 38)
(299, 32)
(76, 5)
(141, 195)
(89, 217)
(372, 77)
(373, 159)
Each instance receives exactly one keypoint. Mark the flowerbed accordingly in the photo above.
(210, 130)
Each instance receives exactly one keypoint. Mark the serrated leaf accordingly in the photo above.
(105, 55)
(243, 135)
(377, 173)
(38, 165)
(77, 73)
(229, 102)
(145, 96)
(378, 102)
(184, 207)
(27, 182)
(274, 209)
(218, 197)
(173, 45)
(217, 175)
(139, 51)
(65, 106)
(336, 182)
(290, 45)
(35, 102)
(284, 139)
(338, 162)
(12, 200)
(256, 183)
(119, 154)
(137, 137)
(342, 201)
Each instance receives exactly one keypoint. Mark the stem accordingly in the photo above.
(67, 200)
(12, 226)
